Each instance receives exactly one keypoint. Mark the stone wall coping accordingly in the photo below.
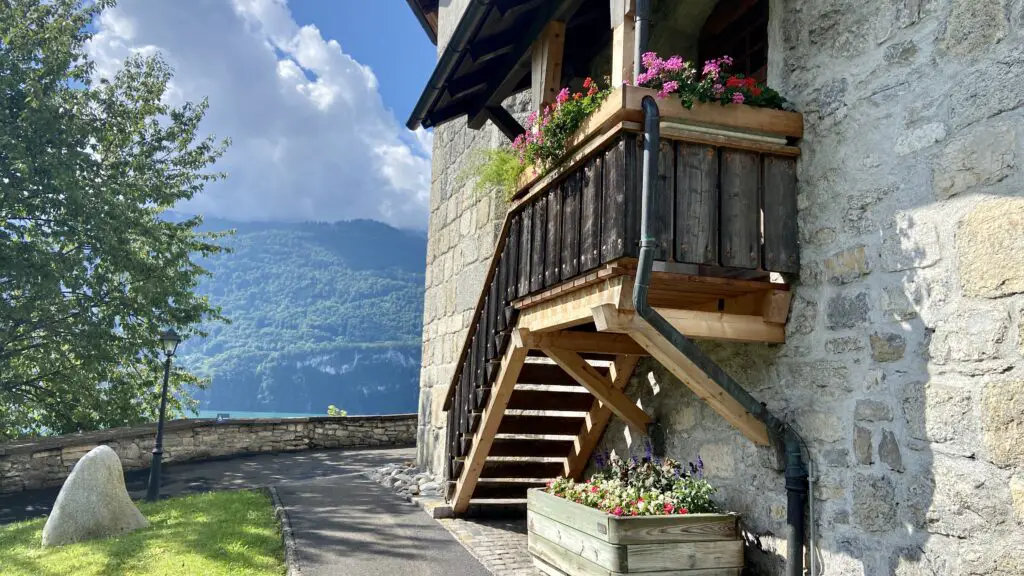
(98, 436)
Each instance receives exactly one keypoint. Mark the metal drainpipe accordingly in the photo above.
(784, 437)
(642, 33)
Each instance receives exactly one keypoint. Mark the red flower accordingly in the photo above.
(633, 513)
(682, 511)
(733, 82)
(750, 82)
(755, 91)
(593, 489)
(669, 507)
(577, 96)
(617, 511)
(588, 82)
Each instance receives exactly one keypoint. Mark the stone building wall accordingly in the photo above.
(904, 363)
(48, 461)
(463, 230)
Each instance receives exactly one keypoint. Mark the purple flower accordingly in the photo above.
(726, 60)
(668, 88)
(718, 89)
(737, 98)
(644, 78)
(711, 68)
(563, 96)
(649, 58)
(673, 64)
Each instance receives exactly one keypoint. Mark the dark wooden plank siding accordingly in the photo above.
(613, 206)
(590, 214)
(540, 210)
(664, 201)
(740, 214)
(525, 242)
(570, 227)
(781, 245)
(553, 238)
(696, 234)
(633, 168)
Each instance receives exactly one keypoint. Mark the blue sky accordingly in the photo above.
(314, 95)
(382, 34)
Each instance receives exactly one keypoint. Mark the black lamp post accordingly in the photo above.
(169, 340)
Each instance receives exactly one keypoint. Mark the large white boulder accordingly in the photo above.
(93, 503)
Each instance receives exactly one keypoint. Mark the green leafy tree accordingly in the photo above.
(89, 270)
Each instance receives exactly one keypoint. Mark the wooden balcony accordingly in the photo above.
(555, 338)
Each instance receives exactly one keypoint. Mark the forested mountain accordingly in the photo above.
(320, 314)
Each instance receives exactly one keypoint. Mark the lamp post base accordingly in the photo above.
(153, 489)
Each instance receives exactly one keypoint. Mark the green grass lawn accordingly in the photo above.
(203, 534)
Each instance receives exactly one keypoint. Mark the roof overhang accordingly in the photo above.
(426, 13)
(487, 58)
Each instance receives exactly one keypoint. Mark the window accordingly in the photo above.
(738, 28)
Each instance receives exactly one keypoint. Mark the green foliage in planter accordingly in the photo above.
(498, 169)
(543, 144)
(641, 487)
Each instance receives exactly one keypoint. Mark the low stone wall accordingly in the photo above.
(47, 461)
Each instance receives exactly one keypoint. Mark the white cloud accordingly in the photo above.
(311, 136)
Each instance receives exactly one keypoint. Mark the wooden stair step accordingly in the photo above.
(521, 469)
(518, 447)
(503, 490)
(522, 424)
(543, 373)
(569, 398)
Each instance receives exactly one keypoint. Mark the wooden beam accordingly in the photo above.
(688, 372)
(597, 420)
(600, 387)
(572, 308)
(586, 342)
(698, 324)
(505, 382)
(512, 72)
(546, 64)
(623, 41)
(508, 125)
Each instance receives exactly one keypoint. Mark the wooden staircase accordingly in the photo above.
(554, 338)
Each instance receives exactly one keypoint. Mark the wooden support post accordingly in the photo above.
(623, 41)
(546, 72)
(597, 419)
(504, 383)
(607, 317)
(600, 387)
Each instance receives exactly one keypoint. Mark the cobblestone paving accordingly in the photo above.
(499, 544)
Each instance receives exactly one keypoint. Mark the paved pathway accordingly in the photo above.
(343, 522)
(500, 544)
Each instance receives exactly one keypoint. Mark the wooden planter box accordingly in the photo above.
(566, 538)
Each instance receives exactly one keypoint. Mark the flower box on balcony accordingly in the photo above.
(736, 126)
(566, 538)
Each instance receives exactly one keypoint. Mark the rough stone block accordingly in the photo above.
(874, 503)
(889, 451)
(887, 347)
(923, 136)
(990, 249)
(909, 243)
(862, 445)
(936, 412)
(969, 334)
(973, 26)
(847, 266)
(872, 411)
(984, 157)
(1003, 422)
(844, 311)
